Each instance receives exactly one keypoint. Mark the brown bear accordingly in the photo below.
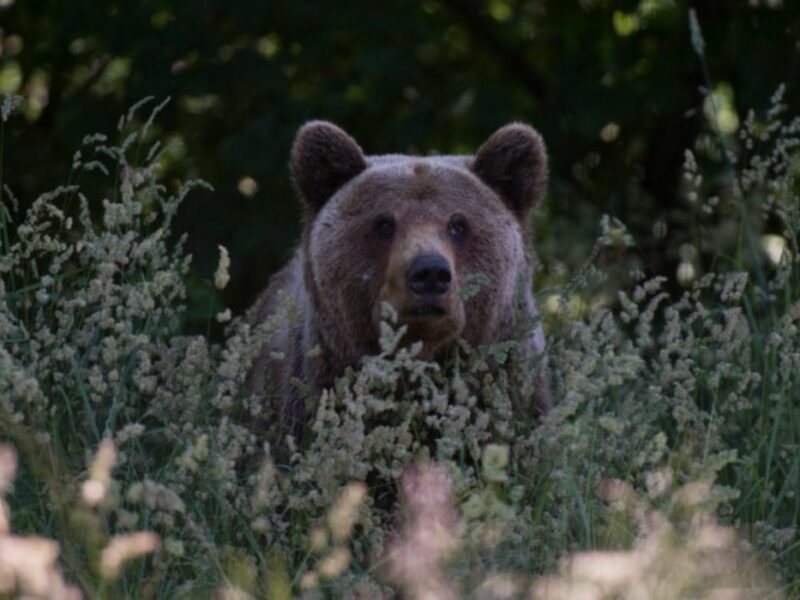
(406, 230)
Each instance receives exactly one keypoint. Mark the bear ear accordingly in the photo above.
(513, 162)
(324, 158)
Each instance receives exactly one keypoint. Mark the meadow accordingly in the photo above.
(133, 464)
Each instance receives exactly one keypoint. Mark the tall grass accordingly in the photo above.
(668, 468)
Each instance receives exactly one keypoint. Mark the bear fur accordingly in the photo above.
(406, 230)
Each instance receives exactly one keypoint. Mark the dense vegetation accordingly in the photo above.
(669, 466)
(613, 86)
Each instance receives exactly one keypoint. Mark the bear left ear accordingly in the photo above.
(324, 158)
(513, 162)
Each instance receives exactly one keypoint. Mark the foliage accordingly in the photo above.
(95, 374)
(612, 85)
(669, 465)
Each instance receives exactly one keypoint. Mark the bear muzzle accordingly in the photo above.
(427, 283)
(421, 285)
(429, 276)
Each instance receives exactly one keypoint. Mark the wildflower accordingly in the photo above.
(221, 277)
(430, 534)
(309, 581)
(28, 564)
(495, 462)
(8, 467)
(94, 489)
(123, 548)
(344, 513)
(335, 563)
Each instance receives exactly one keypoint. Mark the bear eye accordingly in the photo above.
(384, 227)
(457, 227)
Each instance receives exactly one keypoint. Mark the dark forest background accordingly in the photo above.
(614, 86)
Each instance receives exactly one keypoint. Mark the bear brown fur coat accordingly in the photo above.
(406, 230)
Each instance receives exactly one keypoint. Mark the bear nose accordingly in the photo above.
(429, 275)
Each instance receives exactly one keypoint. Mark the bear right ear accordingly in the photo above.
(513, 162)
(324, 158)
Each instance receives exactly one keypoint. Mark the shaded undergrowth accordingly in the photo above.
(673, 441)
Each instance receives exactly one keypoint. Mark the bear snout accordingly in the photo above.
(429, 275)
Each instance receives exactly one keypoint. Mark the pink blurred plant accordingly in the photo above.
(430, 532)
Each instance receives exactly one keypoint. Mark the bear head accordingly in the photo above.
(410, 231)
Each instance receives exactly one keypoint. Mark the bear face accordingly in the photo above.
(403, 230)
(410, 230)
